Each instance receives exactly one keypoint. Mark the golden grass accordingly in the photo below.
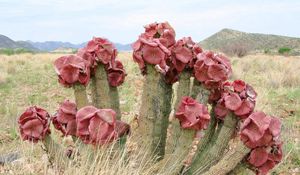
(29, 79)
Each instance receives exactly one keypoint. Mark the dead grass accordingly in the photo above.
(29, 79)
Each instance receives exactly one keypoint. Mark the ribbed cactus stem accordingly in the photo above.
(230, 160)
(214, 152)
(55, 152)
(104, 95)
(173, 141)
(93, 88)
(80, 95)
(154, 111)
(102, 88)
(115, 100)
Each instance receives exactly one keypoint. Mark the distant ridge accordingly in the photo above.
(253, 41)
(50, 46)
(6, 42)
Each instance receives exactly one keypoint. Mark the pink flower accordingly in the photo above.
(212, 67)
(116, 73)
(163, 31)
(34, 124)
(265, 158)
(72, 69)
(153, 46)
(101, 49)
(239, 85)
(192, 115)
(96, 126)
(237, 96)
(65, 118)
(99, 126)
(260, 130)
(184, 53)
(122, 128)
(151, 51)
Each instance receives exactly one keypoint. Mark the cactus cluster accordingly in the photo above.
(189, 108)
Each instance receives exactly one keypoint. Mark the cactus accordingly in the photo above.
(207, 122)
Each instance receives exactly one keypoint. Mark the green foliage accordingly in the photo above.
(284, 50)
(14, 51)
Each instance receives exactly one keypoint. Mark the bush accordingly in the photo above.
(284, 50)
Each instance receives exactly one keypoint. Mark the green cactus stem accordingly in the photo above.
(154, 111)
(115, 101)
(104, 95)
(80, 95)
(204, 160)
(177, 132)
(55, 152)
(230, 160)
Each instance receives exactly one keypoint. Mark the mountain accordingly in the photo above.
(6, 42)
(253, 41)
(54, 45)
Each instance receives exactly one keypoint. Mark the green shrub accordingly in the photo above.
(284, 50)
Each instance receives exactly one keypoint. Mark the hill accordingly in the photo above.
(50, 46)
(6, 42)
(252, 41)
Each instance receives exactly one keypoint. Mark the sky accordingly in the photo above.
(122, 21)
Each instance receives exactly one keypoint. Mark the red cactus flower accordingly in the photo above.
(237, 96)
(172, 75)
(265, 158)
(116, 73)
(34, 124)
(122, 128)
(192, 115)
(260, 130)
(72, 69)
(96, 126)
(65, 118)
(150, 51)
(221, 111)
(184, 52)
(239, 85)
(212, 67)
(99, 126)
(163, 31)
(101, 49)
(232, 101)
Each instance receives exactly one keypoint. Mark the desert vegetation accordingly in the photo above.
(29, 80)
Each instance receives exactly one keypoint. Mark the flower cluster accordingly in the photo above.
(65, 118)
(99, 126)
(34, 124)
(265, 158)
(212, 69)
(183, 56)
(261, 133)
(72, 69)
(78, 68)
(237, 96)
(153, 46)
(98, 50)
(102, 51)
(184, 53)
(192, 115)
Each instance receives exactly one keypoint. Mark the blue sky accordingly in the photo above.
(122, 20)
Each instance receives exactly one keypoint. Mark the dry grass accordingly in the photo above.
(28, 79)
